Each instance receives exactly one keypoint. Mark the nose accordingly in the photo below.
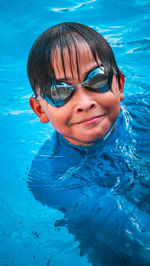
(84, 100)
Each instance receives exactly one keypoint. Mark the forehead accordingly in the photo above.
(73, 62)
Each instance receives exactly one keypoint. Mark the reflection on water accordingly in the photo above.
(73, 8)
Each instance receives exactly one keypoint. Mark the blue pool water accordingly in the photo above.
(27, 232)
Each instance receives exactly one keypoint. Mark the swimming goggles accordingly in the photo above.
(96, 81)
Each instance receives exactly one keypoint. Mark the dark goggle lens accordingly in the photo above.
(99, 83)
(59, 94)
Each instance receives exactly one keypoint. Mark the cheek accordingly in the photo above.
(115, 110)
(58, 118)
(110, 100)
(112, 104)
(55, 120)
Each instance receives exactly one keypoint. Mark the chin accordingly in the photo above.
(87, 137)
(95, 136)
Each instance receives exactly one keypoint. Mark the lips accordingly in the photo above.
(91, 120)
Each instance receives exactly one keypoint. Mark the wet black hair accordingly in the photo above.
(40, 66)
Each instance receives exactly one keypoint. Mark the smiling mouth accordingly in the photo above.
(92, 120)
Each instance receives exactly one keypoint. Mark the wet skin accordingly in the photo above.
(87, 115)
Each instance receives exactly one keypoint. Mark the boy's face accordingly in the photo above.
(88, 115)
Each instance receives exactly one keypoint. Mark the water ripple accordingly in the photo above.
(68, 9)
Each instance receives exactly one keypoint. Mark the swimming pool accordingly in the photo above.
(28, 235)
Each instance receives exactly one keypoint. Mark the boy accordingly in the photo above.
(82, 113)
(87, 168)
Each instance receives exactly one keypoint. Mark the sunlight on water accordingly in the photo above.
(73, 8)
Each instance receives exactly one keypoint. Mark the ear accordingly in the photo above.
(36, 107)
(121, 86)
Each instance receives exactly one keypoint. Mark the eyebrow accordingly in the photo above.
(67, 79)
